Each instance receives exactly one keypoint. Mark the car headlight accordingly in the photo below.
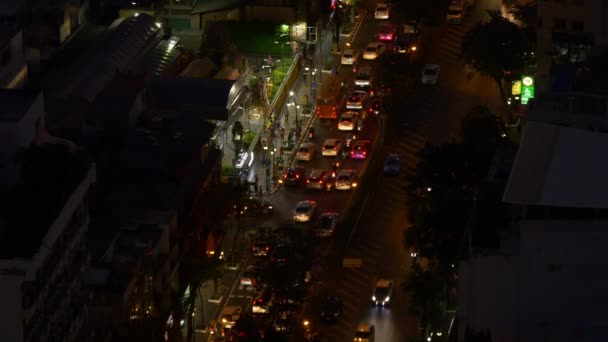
(387, 298)
(373, 297)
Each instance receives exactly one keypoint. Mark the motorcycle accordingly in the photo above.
(311, 133)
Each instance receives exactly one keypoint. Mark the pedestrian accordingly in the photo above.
(282, 134)
(298, 132)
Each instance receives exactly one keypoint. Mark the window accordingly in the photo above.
(560, 24)
(578, 25)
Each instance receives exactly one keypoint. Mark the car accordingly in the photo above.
(375, 107)
(388, 33)
(363, 79)
(304, 211)
(359, 149)
(327, 224)
(251, 206)
(392, 165)
(317, 179)
(382, 11)
(346, 180)
(306, 152)
(282, 321)
(280, 255)
(349, 57)
(373, 51)
(365, 333)
(230, 314)
(356, 100)
(430, 74)
(250, 276)
(382, 292)
(294, 175)
(261, 248)
(406, 43)
(331, 147)
(264, 300)
(332, 309)
(347, 120)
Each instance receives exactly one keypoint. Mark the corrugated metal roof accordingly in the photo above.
(127, 39)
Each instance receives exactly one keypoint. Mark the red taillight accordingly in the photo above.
(267, 248)
(297, 176)
(364, 152)
(308, 181)
(335, 148)
(352, 153)
(371, 93)
(321, 182)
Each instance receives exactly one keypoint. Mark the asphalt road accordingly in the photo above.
(378, 235)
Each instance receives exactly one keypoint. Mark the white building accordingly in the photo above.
(547, 282)
(41, 270)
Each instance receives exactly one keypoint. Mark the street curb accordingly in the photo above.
(352, 35)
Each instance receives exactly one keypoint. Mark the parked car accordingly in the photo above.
(306, 152)
(250, 277)
(294, 175)
(327, 224)
(304, 211)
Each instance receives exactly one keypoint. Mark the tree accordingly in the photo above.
(425, 289)
(526, 13)
(495, 48)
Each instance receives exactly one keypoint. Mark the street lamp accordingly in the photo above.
(293, 102)
(282, 44)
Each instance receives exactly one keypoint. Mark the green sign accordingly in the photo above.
(527, 88)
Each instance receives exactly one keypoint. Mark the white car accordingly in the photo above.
(304, 211)
(349, 57)
(363, 79)
(346, 180)
(356, 99)
(347, 121)
(331, 147)
(373, 51)
(306, 152)
(382, 11)
(365, 333)
(430, 74)
(382, 292)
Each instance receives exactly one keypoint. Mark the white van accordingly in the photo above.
(456, 11)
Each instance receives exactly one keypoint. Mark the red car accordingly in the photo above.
(387, 33)
(359, 149)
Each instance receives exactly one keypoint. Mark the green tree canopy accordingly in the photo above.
(495, 48)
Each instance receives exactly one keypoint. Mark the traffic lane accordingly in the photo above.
(392, 323)
(285, 200)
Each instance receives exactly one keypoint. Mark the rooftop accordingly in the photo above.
(210, 6)
(559, 166)
(147, 176)
(15, 103)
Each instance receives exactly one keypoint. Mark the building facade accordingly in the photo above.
(566, 32)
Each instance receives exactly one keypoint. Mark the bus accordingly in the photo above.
(330, 98)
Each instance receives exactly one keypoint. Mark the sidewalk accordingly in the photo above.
(286, 128)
